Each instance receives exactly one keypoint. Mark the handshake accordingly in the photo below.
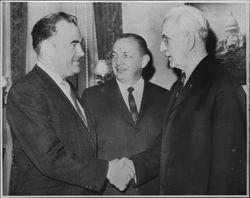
(121, 172)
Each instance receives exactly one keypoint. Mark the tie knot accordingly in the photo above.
(183, 77)
(130, 89)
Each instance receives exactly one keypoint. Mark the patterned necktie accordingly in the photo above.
(132, 105)
(180, 82)
(77, 107)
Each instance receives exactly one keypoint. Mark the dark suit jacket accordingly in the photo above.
(203, 149)
(117, 134)
(53, 151)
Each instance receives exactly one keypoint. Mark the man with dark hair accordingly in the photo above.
(127, 111)
(53, 143)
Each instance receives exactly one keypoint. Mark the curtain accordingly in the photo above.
(14, 60)
(18, 14)
(108, 19)
(6, 69)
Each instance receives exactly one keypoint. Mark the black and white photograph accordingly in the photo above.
(124, 98)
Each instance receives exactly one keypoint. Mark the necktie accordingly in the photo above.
(132, 105)
(180, 83)
(77, 107)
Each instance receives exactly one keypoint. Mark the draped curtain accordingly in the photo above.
(108, 19)
(18, 15)
(14, 61)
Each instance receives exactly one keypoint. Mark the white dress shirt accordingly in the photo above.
(137, 93)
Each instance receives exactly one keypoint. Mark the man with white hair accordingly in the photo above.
(203, 143)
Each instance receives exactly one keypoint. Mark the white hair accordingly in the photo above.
(190, 19)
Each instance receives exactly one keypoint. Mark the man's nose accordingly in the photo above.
(163, 47)
(119, 60)
(79, 51)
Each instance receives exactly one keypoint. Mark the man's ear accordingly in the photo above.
(145, 60)
(47, 48)
(190, 40)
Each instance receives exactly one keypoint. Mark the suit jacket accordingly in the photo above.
(203, 145)
(117, 135)
(53, 151)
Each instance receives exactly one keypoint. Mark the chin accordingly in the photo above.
(172, 66)
(120, 78)
(119, 75)
(76, 69)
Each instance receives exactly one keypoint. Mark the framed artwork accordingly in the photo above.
(228, 23)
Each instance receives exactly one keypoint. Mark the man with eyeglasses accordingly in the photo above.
(203, 146)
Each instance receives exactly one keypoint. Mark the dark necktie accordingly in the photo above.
(132, 104)
(180, 83)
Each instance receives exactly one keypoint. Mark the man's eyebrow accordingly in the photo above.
(74, 41)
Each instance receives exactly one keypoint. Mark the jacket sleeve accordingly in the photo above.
(228, 163)
(147, 163)
(32, 125)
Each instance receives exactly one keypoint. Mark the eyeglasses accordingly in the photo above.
(165, 40)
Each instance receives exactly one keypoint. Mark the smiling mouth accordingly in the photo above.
(120, 70)
(170, 59)
(76, 61)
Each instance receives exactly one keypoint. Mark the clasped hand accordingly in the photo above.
(121, 172)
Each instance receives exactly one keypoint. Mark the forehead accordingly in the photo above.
(67, 31)
(169, 28)
(126, 45)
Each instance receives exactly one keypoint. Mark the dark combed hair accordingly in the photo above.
(46, 27)
(140, 40)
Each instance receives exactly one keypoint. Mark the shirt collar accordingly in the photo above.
(137, 86)
(52, 74)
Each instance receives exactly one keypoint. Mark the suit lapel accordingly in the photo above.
(117, 103)
(79, 100)
(186, 90)
(92, 136)
(171, 101)
(200, 75)
(59, 95)
(146, 100)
